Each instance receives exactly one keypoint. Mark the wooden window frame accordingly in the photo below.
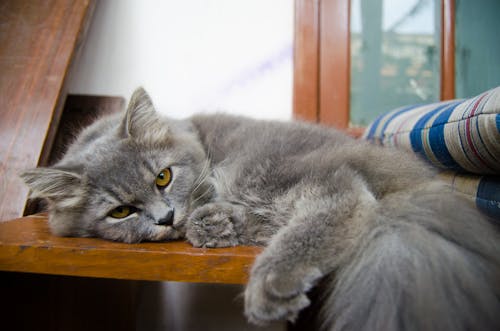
(321, 87)
(447, 49)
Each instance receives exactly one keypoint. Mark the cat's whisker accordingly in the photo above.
(201, 196)
(204, 174)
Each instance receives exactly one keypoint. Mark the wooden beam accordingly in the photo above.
(447, 49)
(306, 60)
(38, 40)
(334, 63)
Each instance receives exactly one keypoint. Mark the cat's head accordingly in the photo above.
(129, 177)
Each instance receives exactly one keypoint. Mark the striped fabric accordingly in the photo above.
(461, 135)
(483, 190)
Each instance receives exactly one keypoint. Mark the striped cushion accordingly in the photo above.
(483, 190)
(461, 135)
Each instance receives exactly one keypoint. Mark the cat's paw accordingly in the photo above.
(211, 225)
(276, 293)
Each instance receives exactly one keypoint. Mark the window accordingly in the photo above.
(394, 56)
(477, 46)
(355, 59)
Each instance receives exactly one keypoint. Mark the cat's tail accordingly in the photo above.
(428, 262)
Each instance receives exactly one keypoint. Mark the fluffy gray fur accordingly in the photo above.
(398, 249)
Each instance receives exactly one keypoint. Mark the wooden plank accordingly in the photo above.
(26, 245)
(447, 49)
(306, 61)
(334, 63)
(38, 40)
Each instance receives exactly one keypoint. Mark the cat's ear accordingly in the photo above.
(140, 112)
(142, 122)
(52, 183)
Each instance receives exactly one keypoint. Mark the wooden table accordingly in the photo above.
(26, 245)
(37, 276)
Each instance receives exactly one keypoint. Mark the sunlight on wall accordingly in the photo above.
(195, 55)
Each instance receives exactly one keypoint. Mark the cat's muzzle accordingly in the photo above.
(168, 219)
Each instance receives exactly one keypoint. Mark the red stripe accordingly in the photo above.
(403, 125)
(468, 131)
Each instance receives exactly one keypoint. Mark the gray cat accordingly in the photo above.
(393, 247)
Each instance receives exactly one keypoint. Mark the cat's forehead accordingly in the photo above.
(126, 157)
(115, 160)
(127, 173)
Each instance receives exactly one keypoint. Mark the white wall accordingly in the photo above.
(192, 55)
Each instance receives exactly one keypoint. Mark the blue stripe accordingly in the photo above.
(436, 137)
(416, 139)
(446, 113)
(488, 196)
(498, 122)
(373, 127)
(395, 114)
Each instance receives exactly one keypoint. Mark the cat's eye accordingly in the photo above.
(122, 211)
(164, 178)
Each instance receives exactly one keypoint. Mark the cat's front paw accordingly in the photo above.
(275, 292)
(211, 225)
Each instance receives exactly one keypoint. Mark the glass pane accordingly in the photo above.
(477, 50)
(394, 55)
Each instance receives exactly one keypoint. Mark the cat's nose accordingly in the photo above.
(168, 219)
